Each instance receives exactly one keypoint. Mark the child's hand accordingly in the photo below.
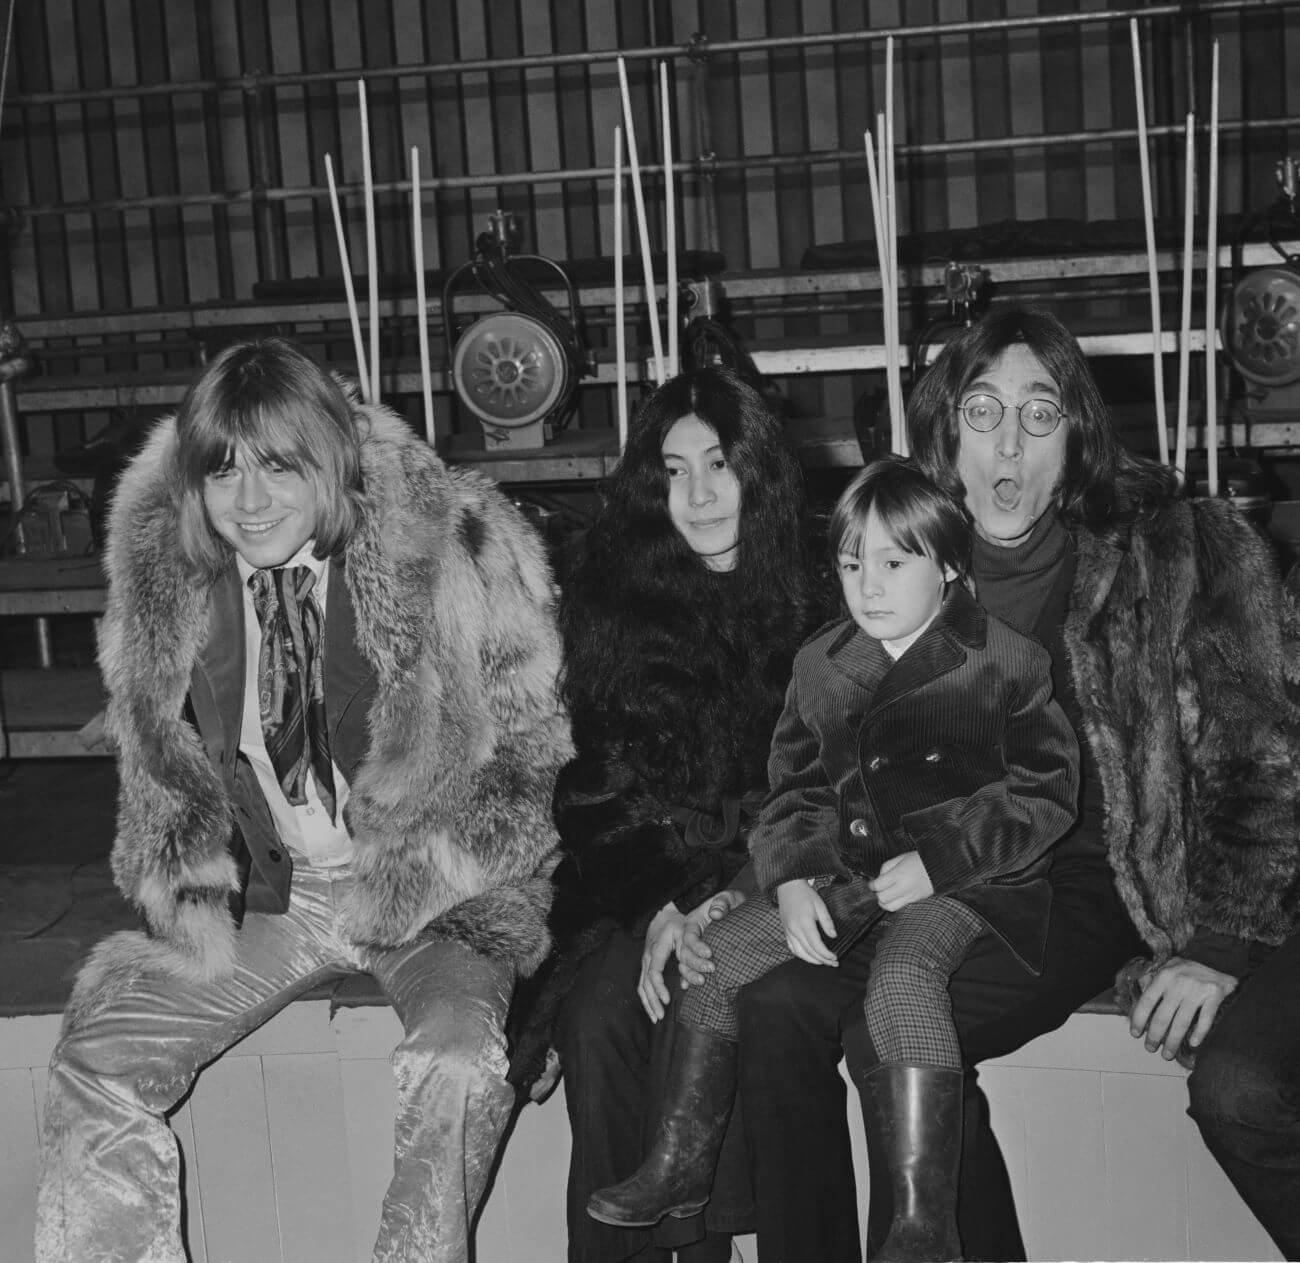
(802, 911)
(901, 881)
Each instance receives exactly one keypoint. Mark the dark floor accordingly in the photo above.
(56, 895)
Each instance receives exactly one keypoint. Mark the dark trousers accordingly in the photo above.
(1245, 1094)
(613, 1058)
(795, 1022)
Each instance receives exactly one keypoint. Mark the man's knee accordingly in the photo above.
(462, 1047)
(769, 999)
(1231, 1087)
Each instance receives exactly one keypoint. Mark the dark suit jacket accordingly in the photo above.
(217, 708)
(955, 751)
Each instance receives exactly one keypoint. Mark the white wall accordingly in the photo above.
(288, 1144)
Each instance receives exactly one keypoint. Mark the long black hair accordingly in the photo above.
(672, 667)
(1102, 484)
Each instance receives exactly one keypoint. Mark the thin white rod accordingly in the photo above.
(877, 220)
(670, 221)
(363, 378)
(1149, 219)
(896, 306)
(620, 301)
(889, 295)
(1185, 322)
(372, 245)
(421, 305)
(638, 198)
(886, 279)
(1211, 290)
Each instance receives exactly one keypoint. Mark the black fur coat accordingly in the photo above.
(673, 704)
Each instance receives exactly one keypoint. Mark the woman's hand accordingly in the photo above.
(1182, 995)
(694, 955)
(806, 919)
(662, 939)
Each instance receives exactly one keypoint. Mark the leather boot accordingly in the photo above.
(677, 1174)
(913, 1118)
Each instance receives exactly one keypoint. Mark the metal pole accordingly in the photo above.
(17, 495)
(263, 223)
(707, 165)
(704, 154)
(540, 61)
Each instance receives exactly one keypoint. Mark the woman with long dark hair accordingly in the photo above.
(681, 613)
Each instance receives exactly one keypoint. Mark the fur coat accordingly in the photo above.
(450, 805)
(1179, 658)
(674, 702)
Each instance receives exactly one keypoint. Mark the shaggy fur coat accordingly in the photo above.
(450, 807)
(1176, 638)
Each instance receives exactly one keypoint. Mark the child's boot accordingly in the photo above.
(913, 1120)
(677, 1174)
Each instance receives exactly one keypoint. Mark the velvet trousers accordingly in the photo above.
(797, 1021)
(1245, 1093)
(110, 1172)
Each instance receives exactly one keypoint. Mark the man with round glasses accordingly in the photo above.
(1171, 643)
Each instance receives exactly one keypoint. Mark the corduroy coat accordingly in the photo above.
(441, 662)
(955, 751)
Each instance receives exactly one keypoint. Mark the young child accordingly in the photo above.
(920, 769)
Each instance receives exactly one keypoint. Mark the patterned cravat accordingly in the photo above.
(291, 682)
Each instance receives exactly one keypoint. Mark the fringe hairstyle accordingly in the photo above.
(269, 399)
(918, 516)
(1101, 484)
(670, 666)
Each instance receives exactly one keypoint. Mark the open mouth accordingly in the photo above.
(1006, 491)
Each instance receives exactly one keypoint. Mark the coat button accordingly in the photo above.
(859, 828)
(274, 856)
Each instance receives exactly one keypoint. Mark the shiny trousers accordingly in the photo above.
(1245, 1093)
(110, 1166)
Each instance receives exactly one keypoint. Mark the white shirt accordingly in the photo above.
(307, 831)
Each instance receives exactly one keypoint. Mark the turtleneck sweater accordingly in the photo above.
(1016, 583)
(1028, 586)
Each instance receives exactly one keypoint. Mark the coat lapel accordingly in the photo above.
(960, 625)
(350, 681)
(221, 660)
(859, 657)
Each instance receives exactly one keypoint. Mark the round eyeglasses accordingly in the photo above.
(1038, 417)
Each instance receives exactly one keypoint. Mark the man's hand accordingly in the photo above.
(1181, 996)
(662, 939)
(901, 880)
(806, 918)
(694, 955)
